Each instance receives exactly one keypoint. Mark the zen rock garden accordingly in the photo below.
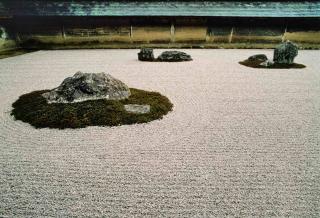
(140, 108)
(99, 99)
(283, 57)
(146, 54)
(90, 99)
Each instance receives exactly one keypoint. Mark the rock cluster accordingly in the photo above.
(88, 86)
(285, 53)
(146, 54)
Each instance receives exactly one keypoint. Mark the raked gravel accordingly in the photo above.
(240, 142)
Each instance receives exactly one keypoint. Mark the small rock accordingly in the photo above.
(137, 108)
(285, 53)
(146, 54)
(258, 57)
(174, 56)
(88, 86)
(267, 63)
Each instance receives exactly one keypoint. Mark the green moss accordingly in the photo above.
(256, 64)
(32, 108)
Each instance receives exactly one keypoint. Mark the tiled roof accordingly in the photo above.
(160, 8)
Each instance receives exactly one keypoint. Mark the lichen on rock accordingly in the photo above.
(146, 54)
(88, 86)
(258, 57)
(174, 56)
(285, 53)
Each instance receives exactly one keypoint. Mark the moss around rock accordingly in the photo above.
(33, 108)
(258, 64)
(283, 57)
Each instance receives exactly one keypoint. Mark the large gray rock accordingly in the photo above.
(174, 56)
(88, 86)
(285, 53)
(146, 54)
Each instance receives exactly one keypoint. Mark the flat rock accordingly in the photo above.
(146, 54)
(285, 53)
(258, 57)
(137, 108)
(88, 86)
(267, 63)
(174, 56)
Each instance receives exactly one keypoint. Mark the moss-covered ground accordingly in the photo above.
(256, 64)
(32, 108)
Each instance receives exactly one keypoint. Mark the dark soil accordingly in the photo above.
(32, 108)
(256, 64)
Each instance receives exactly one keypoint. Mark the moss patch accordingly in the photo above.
(256, 64)
(32, 108)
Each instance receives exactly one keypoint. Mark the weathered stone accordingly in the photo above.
(285, 53)
(137, 108)
(174, 56)
(258, 57)
(146, 54)
(267, 63)
(88, 86)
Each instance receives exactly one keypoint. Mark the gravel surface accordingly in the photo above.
(239, 142)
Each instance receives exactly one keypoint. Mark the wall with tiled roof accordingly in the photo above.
(160, 8)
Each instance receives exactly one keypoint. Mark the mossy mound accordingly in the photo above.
(256, 64)
(33, 108)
